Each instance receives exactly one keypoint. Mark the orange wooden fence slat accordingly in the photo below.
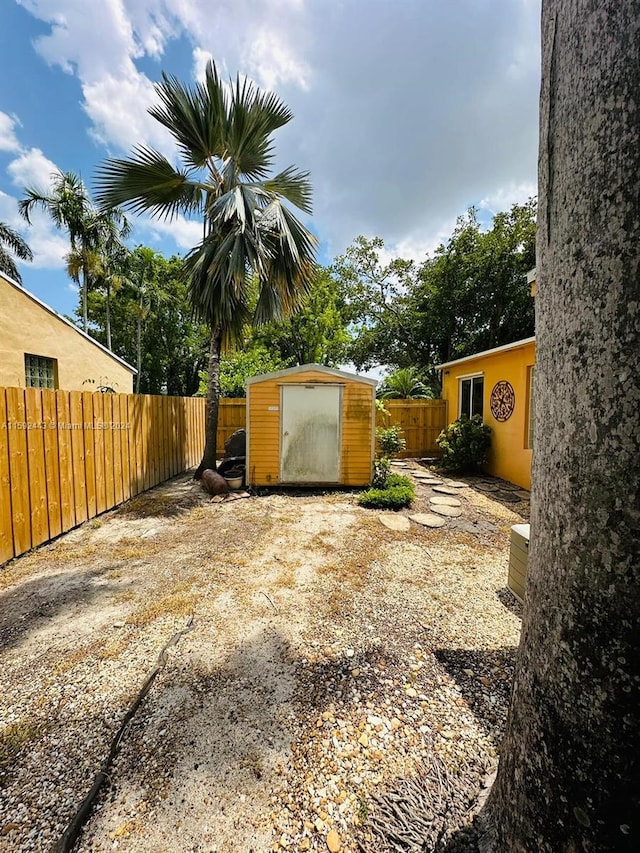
(95, 416)
(18, 469)
(6, 521)
(37, 472)
(65, 461)
(125, 429)
(77, 454)
(117, 448)
(109, 464)
(89, 452)
(52, 462)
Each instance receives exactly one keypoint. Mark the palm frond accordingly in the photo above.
(293, 185)
(147, 182)
(8, 266)
(195, 116)
(15, 242)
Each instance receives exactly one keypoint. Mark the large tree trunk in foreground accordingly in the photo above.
(213, 405)
(570, 761)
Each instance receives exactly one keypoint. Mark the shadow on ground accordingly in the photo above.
(484, 680)
(510, 601)
(29, 605)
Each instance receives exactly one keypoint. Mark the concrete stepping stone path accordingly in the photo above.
(507, 497)
(395, 522)
(455, 484)
(427, 519)
(449, 511)
(486, 487)
(445, 490)
(444, 500)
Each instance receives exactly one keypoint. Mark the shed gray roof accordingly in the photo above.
(318, 368)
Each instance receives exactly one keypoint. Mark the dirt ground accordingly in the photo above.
(324, 661)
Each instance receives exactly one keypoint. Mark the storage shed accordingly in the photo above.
(310, 425)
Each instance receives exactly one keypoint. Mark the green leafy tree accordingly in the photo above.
(224, 138)
(317, 332)
(12, 243)
(236, 367)
(377, 304)
(473, 293)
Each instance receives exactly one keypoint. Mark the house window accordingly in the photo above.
(39, 371)
(471, 396)
(530, 407)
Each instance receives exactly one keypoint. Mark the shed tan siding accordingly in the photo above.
(263, 421)
(27, 326)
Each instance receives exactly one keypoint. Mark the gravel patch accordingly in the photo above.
(333, 665)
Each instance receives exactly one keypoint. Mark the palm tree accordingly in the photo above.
(223, 133)
(100, 259)
(11, 243)
(70, 208)
(404, 384)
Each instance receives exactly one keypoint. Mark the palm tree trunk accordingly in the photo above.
(138, 350)
(108, 317)
(85, 315)
(213, 403)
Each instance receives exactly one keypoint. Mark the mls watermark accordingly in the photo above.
(65, 425)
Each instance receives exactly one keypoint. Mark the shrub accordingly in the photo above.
(381, 472)
(390, 440)
(464, 444)
(398, 494)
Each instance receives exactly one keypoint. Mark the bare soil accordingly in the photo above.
(326, 660)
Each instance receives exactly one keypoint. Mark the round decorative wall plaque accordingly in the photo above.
(503, 400)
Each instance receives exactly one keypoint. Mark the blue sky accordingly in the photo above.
(406, 111)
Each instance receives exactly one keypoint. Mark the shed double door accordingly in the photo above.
(310, 440)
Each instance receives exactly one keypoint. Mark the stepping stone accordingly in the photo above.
(522, 493)
(507, 497)
(487, 487)
(508, 487)
(444, 500)
(395, 522)
(454, 484)
(449, 511)
(427, 519)
(445, 490)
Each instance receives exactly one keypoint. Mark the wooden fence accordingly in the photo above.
(66, 456)
(422, 422)
(232, 415)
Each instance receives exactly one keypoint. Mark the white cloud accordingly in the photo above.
(405, 113)
(32, 168)
(8, 138)
(502, 198)
(185, 233)
(200, 59)
(118, 108)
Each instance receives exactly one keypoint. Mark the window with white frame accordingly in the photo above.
(39, 371)
(471, 395)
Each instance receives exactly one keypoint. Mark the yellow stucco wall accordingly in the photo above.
(263, 428)
(28, 326)
(510, 458)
